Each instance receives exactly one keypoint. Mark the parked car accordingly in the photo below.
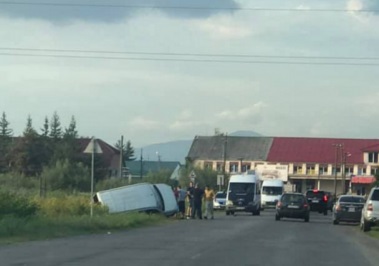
(292, 205)
(318, 200)
(370, 211)
(348, 208)
(219, 200)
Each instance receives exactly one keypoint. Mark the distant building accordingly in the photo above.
(303, 163)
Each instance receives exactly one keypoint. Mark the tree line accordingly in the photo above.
(53, 145)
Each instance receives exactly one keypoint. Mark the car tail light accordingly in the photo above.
(279, 204)
(315, 191)
(338, 207)
(370, 207)
(325, 198)
(305, 205)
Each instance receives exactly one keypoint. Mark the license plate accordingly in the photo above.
(240, 208)
(293, 207)
(351, 209)
(315, 201)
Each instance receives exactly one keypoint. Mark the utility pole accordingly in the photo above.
(337, 147)
(121, 156)
(224, 153)
(141, 165)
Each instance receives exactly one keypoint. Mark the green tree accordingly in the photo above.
(5, 131)
(55, 127)
(5, 143)
(45, 128)
(127, 150)
(71, 131)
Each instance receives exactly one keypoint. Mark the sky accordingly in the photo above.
(165, 70)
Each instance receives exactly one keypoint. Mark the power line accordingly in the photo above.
(190, 54)
(193, 60)
(183, 7)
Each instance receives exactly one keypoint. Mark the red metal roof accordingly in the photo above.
(363, 179)
(319, 150)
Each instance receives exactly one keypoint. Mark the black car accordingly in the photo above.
(318, 200)
(348, 208)
(292, 205)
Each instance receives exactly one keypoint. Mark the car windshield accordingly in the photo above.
(272, 191)
(292, 198)
(241, 188)
(221, 195)
(315, 194)
(352, 199)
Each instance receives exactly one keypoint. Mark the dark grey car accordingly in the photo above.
(292, 205)
(348, 208)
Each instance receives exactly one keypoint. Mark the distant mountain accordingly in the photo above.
(177, 150)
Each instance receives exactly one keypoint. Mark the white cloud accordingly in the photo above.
(142, 123)
(248, 113)
(223, 27)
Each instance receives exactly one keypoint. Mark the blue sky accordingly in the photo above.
(154, 99)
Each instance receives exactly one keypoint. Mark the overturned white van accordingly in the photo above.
(142, 197)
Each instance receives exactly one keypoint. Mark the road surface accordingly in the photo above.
(226, 240)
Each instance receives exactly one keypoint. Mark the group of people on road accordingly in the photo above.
(195, 195)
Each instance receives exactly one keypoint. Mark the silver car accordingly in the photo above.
(370, 212)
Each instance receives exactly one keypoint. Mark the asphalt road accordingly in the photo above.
(226, 240)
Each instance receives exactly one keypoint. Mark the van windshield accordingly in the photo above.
(241, 188)
(272, 191)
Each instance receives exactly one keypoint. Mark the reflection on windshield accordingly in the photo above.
(272, 191)
(242, 188)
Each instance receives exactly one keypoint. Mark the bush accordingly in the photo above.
(14, 205)
(68, 206)
(67, 176)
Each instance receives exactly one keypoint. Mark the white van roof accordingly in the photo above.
(244, 178)
(272, 182)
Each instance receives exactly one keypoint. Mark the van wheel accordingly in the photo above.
(306, 219)
(227, 213)
(326, 212)
(366, 226)
(277, 217)
(335, 222)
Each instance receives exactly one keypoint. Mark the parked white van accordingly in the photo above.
(272, 189)
(243, 194)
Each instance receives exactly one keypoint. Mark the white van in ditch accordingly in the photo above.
(272, 189)
(243, 194)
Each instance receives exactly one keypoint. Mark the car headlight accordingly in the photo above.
(229, 203)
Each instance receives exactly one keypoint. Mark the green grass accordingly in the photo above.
(374, 232)
(14, 229)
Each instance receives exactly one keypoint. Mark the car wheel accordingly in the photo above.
(326, 212)
(227, 213)
(277, 217)
(366, 226)
(335, 222)
(306, 219)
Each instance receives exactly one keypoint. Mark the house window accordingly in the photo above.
(323, 170)
(374, 170)
(362, 171)
(373, 157)
(233, 167)
(349, 170)
(311, 170)
(219, 167)
(208, 165)
(334, 170)
(297, 169)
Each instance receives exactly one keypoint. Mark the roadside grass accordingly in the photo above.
(374, 232)
(16, 229)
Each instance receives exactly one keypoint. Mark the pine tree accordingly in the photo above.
(5, 131)
(55, 127)
(29, 130)
(71, 131)
(129, 152)
(45, 129)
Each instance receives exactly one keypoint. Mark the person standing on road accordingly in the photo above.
(190, 190)
(208, 197)
(182, 194)
(197, 202)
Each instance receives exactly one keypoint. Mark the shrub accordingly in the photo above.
(15, 205)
